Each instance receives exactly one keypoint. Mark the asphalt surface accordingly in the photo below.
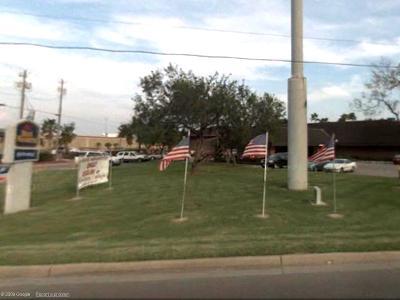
(377, 169)
(363, 281)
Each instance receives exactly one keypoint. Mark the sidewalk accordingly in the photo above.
(262, 262)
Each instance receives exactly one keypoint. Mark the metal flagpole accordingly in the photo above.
(77, 196)
(265, 173)
(334, 177)
(184, 180)
(110, 174)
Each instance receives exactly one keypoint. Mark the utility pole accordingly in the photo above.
(106, 127)
(23, 85)
(297, 107)
(62, 91)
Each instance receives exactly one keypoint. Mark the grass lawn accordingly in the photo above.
(134, 220)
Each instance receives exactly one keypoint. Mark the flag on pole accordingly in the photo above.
(179, 152)
(257, 147)
(325, 152)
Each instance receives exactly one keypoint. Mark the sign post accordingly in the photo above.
(21, 149)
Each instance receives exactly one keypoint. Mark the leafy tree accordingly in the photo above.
(98, 145)
(126, 131)
(174, 102)
(49, 130)
(67, 134)
(316, 119)
(347, 117)
(108, 145)
(382, 92)
(115, 145)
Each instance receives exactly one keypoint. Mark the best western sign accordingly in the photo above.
(22, 142)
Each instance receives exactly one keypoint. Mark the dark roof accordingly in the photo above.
(316, 136)
(363, 133)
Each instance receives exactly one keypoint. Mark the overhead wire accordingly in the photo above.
(206, 56)
(197, 28)
(55, 114)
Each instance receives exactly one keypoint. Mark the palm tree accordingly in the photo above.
(49, 131)
(67, 135)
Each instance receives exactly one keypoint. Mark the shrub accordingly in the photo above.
(46, 156)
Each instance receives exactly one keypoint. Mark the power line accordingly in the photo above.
(127, 51)
(55, 114)
(208, 29)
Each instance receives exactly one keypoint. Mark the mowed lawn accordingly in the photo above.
(134, 220)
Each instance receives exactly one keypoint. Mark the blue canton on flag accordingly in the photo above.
(257, 147)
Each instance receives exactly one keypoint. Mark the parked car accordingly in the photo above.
(340, 165)
(3, 172)
(115, 161)
(131, 156)
(396, 159)
(277, 160)
(154, 156)
(317, 166)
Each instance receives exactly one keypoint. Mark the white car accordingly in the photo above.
(131, 156)
(340, 165)
(114, 160)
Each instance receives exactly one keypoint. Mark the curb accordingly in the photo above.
(264, 262)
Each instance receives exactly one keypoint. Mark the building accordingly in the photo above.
(365, 140)
(87, 142)
(279, 140)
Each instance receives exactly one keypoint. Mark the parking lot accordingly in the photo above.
(383, 169)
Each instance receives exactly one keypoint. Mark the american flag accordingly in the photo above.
(256, 148)
(179, 152)
(325, 152)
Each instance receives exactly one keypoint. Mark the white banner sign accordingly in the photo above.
(92, 170)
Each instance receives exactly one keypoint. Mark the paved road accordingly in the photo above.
(329, 281)
(377, 169)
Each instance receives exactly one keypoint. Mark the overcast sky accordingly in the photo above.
(100, 85)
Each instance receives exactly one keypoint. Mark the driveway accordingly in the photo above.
(382, 169)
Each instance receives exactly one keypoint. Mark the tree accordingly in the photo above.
(173, 102)
(316, 119)
(126, 131)
(382, 92)
(67, 135)
(98, 145)
(115, 145)
(49, 130)
(108, 145)
(347, 117)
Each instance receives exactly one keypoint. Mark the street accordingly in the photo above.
(372, 280)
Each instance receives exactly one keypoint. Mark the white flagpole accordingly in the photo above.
(110, 174)
(265, 173)
(334, 177)
(184, 180)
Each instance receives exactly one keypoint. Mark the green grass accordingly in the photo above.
(134, 220)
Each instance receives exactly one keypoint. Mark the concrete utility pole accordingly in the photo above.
(297, 107)
(62, 91)
(23, 85)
